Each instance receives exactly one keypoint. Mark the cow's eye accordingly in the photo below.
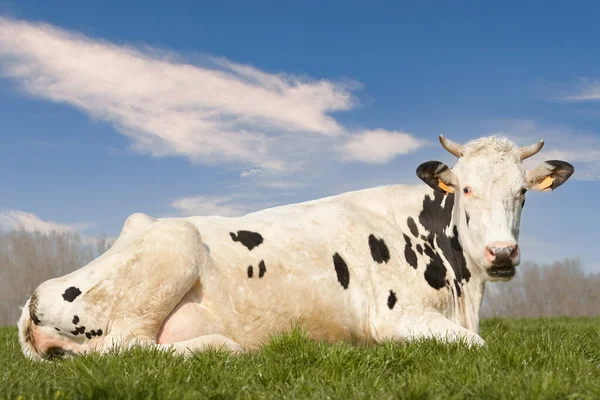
(467, 190)
(523, 191)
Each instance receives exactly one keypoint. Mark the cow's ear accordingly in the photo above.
(549, 175)
(438, 176)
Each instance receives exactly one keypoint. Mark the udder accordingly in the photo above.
(182, 324)
(186, 321)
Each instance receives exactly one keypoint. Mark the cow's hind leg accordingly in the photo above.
(149, 277)
(122, 296)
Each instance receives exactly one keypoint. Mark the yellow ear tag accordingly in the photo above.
(546, 183)
(445, 187)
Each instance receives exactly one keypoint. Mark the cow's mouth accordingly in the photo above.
(502, 271)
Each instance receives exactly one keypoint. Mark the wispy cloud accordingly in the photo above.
(586, 90)
(379, 146)
(225, 206)
(530, 241)
(16, 219)
(213, 112)
(582, 149)
(13, 220)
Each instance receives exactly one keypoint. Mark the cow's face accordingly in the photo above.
(490, 184)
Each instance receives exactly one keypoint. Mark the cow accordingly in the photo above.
(397, 262)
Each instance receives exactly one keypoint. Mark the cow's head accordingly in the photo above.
(490, 182)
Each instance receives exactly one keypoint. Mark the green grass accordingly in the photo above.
(528, 359)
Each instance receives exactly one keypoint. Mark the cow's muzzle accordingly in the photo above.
(503, 257)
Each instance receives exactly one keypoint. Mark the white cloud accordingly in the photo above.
(250, 172)
(582, 149)
(13, 220)
(16, 219)
(215, 112)
(588, 90)
(379, 146)
(530, 241)
(210, 205)
(283, 185)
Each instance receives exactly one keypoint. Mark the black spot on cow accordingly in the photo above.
(56, 329)
(412, 225)
(435, 218)
(458, 288)
(435, 272)
(71, 294)
(431, 240)
(420, 248)
(78, 330)
(409, 253)
(250, 271)
(341, 269)
(262, 268)
(392, 299)
(467, 217)
(247, 238)
(35, 319)
(75, 319)
(99, 332)
(88, 335)
(455, 255)
(379, 251)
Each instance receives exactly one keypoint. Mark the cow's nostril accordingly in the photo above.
(515, 252)
(54, 353)
(490, 252)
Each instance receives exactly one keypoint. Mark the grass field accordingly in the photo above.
(528, 359)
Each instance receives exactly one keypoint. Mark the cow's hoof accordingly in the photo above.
(476, 341)
(231, 346)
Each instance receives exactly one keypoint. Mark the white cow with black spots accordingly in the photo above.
(392, 262)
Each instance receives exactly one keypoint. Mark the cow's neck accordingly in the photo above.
(441, 218)
(437, 221)
(466, 307)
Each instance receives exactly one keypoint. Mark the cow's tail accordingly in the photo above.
(26, 334)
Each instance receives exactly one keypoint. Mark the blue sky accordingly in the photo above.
(109, 108)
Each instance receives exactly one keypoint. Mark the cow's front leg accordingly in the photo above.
(185, 348)
(203, 343)
(427, 325)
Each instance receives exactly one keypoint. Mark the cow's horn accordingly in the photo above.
(453, 148)
(528, 151)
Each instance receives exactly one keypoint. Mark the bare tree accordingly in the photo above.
(27, 259)
(558, 289)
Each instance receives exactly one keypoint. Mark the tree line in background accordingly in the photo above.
(27, 259)
(554, 290)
